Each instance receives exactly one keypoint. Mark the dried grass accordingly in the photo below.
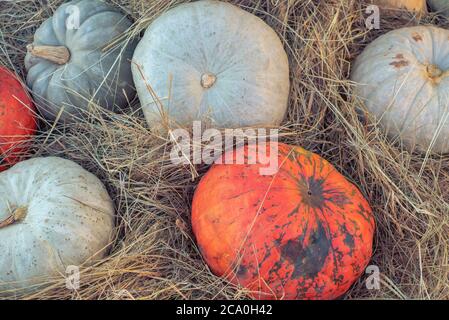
(154, 254)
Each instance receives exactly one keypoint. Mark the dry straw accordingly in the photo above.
(154, 256)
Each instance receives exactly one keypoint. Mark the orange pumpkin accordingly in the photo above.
(304, 232)
(419, 6)
(17, 120)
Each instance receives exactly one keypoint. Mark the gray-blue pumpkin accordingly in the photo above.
(68, 66)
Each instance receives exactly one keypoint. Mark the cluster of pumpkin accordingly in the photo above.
(305, 232)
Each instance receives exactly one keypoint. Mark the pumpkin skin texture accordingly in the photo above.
(67, 66)
(403, 79)
(412, 5)
(441, 6)
(213, 62)
(64, 217)
(17, 120)
(302, 233)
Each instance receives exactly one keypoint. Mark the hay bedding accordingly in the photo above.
(154, 256)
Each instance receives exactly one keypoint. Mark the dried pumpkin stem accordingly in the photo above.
(59, 55)
(18, 215)
(433, 71)
(208, 80)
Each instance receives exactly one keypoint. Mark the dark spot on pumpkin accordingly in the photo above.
(356, 268)
(308, 260)
(2, 106)
(417, 37)
(349, 241)
(215, 221)
(319, 289)
(366, 215)
(339, 279)
(277, 242)
(242, 271)
(312, 192)
(400, 63)
(337, 197)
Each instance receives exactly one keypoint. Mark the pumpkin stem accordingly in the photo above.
(59, 55)
(208, 80)
(18, 215)
(433, 71)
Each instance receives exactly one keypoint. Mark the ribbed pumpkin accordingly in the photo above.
(302, 233)
(75, 59)
(17, 120)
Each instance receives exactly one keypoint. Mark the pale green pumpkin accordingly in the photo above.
(53, 214)
(403, 78)
(213, 62)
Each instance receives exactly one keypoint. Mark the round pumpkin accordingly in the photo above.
(68, 64)
(440, 6)
(17, 119)
(402, 77)
(213, 62)
(412, 5)
(302, 233)
(53, 214)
